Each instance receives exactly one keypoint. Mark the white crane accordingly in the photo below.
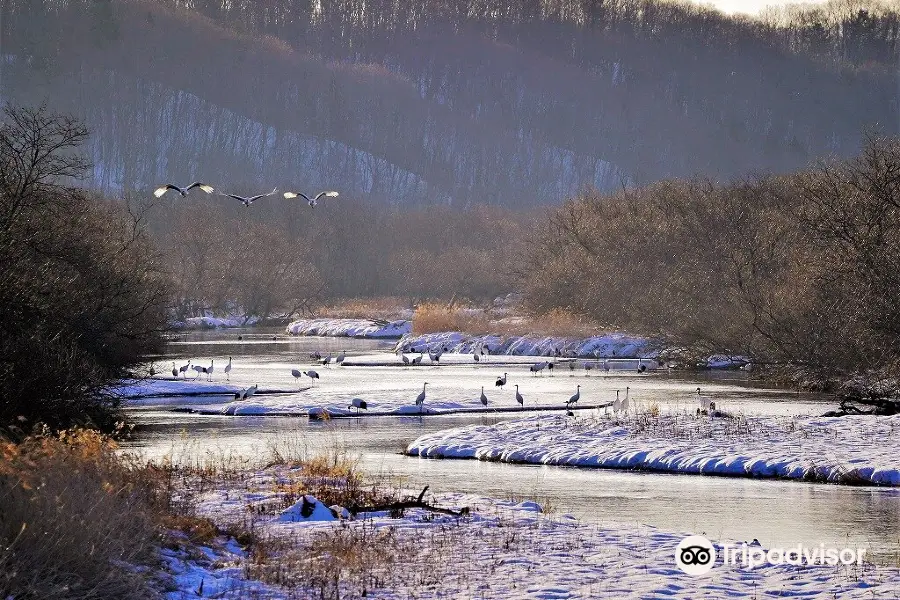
(314, 200)
(245, 395)
(484, 399)
(705, 402)
(228, 369)
(358, 403)
(247, 201)
(158, 192)
(519, 398)
(420, 399)
(184, 368)
(312, 375)
(574, 398)
(501, 381)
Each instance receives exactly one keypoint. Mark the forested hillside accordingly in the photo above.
(463, 102)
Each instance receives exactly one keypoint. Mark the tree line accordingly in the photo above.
(83, 293)
(798, 269)
(461, 103)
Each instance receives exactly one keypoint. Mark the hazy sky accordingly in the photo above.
(750, 6)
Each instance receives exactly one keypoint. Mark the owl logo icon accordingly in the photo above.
(695, 555)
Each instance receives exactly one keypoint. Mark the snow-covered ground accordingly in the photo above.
(608, 345)
(211, 322)
(136, 390)
(502, 549)
(853, 449)
(357, 328)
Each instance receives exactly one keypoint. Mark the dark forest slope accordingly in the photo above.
(464, 102)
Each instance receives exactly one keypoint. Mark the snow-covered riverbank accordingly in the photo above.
(211, 322)
(357, 328)
(503, 549)
(608, 345)
(854, 449)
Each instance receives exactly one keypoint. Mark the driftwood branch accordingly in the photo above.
(419, 502)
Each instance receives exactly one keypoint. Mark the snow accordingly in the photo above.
(211, 322)
(853, 449)
(503, 549)
(294, 513)
(608, 345)
(136, 389)
(212, 571)
(358, 328)
(724, 361)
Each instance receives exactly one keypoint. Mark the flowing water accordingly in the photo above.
(777, 513)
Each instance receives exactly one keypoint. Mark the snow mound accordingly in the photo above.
(135, 389)
(307, 509)
(849, 450)
(608, 345)
(724, 361)
(357, 328)
(210, 322)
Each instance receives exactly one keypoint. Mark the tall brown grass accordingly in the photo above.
(75, 519)
(388, 308)
(433, 318)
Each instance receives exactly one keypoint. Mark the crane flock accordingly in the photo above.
(245, 200)
(621, 405)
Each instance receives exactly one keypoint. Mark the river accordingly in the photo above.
(777, 513)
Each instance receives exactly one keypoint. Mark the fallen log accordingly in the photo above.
(399, 507)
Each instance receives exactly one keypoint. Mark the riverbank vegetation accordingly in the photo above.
(798, 270)
(82, 291)
(78, 521)
(82, 519)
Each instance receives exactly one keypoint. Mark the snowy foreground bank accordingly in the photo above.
(500, 550)
(357, 328)
(853, 449)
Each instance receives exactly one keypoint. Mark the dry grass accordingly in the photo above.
(388, 308)
(333, 478)
(75, 519)
(434, 318)
(334, 563)
(558, 322)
